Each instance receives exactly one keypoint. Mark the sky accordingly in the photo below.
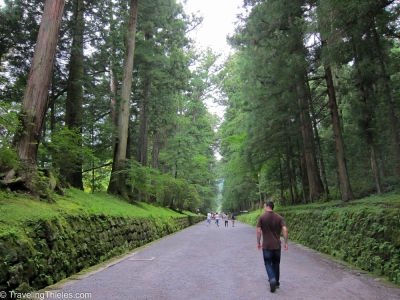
(219, 18)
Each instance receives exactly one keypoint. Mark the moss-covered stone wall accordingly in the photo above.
(367, 239)
(51, 250)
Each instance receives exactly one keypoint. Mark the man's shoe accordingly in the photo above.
(272, 285)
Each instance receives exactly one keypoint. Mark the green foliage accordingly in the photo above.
(45, 243)
(16, 207)
(176, 99)
(364, 233)
(8, 125)
(65, 148)
(282, 54)
(250, 218)
(8, 159)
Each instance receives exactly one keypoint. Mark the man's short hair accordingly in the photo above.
(270, 204)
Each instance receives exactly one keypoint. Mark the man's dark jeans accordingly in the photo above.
(272, 259)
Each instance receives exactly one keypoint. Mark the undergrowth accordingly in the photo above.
(16, 208)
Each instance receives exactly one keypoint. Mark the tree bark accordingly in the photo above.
(345, 187)
(304, 97)
(113, 97)
(74, 102)
(303, 175)
(294, 178)
(144, 115)
(391, 107)
(289, 173)
(319, 152)
(314, 179)
(144, 120)
(34, 105)
(367, 128)
(118, 176)
(155, 150)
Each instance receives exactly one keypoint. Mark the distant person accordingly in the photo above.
(208, 219)
(233, 218)
(226, 218)
(270, 225)
(217, 219)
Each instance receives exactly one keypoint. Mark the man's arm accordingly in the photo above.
(285, 236)
(259, 238)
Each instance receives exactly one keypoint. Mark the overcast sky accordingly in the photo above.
(219, 17)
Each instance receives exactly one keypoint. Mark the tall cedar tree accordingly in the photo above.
(118, 183)
(34, 106)
(74, 101)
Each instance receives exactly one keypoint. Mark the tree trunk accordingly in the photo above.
(303, 175)
(294, 178)
(368, 131)
(113, 80)
(314, 179)
(345, 187)
(281, 178)
(155, 150)
(304, 97)
(289, 172)
(52, 121)
(144, 120)
(391, 107)
(113, 99)
(74, 102)
(144, 116)
(319, 152)
(119, 177)
(34, 105)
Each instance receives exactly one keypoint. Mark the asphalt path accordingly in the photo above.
(203, 262)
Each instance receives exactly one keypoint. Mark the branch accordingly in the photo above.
(95, 168)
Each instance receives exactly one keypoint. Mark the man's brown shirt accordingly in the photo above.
(271, 225)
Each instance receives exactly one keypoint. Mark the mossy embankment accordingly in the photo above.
(364, 233)
(42, 243)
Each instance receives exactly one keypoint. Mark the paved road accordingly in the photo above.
(223, 263)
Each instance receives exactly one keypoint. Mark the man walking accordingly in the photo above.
(270, 225)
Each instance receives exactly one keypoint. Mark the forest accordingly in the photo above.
(110, 96)
(312, 103)
(117, 105)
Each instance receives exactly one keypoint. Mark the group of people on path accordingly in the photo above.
(269, 227)
(216, 217)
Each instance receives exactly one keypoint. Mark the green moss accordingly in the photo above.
(62, 246)
(42, 243)
(365, 233)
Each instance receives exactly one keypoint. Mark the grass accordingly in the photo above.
(375, 203)
(15, 208)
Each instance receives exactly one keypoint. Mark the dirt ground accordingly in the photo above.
(203, 262)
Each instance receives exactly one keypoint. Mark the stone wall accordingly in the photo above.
(368, 239)
(53, 249)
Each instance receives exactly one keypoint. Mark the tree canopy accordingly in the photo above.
(310, 95)
(311, 102)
